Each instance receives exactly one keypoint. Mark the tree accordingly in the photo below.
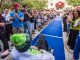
(36, 4)
(73, 2)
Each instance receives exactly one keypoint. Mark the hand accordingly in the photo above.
(16, 14)
(34, 47)
(72, 59)
(2, 24)
(24, 12)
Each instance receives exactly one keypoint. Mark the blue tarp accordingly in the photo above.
(53, 35)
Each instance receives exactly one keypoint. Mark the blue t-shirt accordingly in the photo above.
(16, 21)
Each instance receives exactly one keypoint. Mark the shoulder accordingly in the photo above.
(20, 13)
(11, 13)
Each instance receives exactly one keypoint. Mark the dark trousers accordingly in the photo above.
(65, 23)
(35, 22)
(8, 29)
(4, 41)
(65, 26)
(72, 38)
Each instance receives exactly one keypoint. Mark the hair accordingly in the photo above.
(24, 6)
(78, 13)
(74, 16)
(41, 36)
(16, 5)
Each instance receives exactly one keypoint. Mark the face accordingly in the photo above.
(6, 10)
(75, 14)
(16, 9)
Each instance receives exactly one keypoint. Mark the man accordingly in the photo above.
(8, 26)
(2, 37)
(17, 17)
(27, 17)
(24, 51)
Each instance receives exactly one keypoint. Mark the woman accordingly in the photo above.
(8, 26)
(73, 31)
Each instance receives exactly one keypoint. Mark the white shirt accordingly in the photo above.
(7, 18)
(16, 55)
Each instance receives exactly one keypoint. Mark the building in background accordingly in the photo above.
(57, 4)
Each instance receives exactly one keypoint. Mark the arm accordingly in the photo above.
(69, 19)
(28, 14)
(2, 24)
(77, 23)
(21, 17)
(11, 16)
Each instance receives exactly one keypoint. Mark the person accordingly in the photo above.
(24, 51)
(69, 18)
(27, 17)
(8, 26)
(32, 31)
(17, 17)
(2, 37)
(39, 25)
(45, 19)
(74, 31)
(77, 49)
(64, 22)
(42, 43)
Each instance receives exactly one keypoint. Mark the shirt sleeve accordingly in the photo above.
(77, 23)
(11, 14)
(77, 49)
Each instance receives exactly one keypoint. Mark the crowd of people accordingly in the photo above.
(21, 20)
(71, 20)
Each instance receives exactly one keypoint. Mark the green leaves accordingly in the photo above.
(6, 5)
(36, 4)
(73, 2)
